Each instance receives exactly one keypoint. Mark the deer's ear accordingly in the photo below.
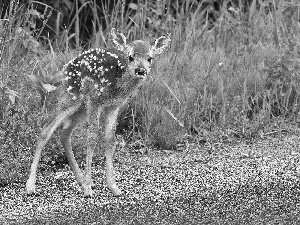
(118, 39)
(161, 44)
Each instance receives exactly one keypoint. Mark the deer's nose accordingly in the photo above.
(140, 71)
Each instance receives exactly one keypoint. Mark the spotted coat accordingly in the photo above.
(101, 67)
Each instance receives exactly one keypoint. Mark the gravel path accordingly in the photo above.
(240, 183)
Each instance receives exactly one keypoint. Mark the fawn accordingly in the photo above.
(98, 80)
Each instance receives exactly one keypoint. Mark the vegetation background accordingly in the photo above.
(232, 71)
(211, 139)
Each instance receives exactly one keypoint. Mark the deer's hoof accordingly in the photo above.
(30, 187)
(115, 190)
(87, 191)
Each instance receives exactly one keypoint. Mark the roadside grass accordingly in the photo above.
(236, 81)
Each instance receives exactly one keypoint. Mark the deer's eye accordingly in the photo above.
(130, 58)
(150, 59)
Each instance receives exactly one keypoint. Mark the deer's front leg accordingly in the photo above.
(110, 146)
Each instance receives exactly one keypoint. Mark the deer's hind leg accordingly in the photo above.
(87, 179)
(68, 127)
(44, 137)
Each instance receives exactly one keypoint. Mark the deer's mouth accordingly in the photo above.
(140, 72)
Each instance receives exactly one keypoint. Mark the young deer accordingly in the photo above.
(98, 80)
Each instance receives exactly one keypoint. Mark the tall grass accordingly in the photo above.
(238, 77)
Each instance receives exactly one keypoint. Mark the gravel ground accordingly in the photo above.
(240, 183)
